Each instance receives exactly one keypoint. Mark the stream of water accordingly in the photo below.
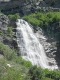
(30, 47)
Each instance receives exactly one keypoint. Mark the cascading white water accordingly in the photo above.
(30, 47)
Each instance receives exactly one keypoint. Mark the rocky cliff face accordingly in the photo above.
(6, 36)
(51, 41)
(3, 26)
(53, 3)
(25, 7)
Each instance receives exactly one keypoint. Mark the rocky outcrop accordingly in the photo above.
(4, 37)
(50, 40)
(3, 26)
(25, 7)
(53, 3)
(3, 22)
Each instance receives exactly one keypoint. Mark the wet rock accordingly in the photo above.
(49, 47)
(14, 43)
(3, 22)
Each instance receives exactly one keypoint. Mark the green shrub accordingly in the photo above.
(14, 17)
(10, 31)
(7, 51)
(43, 19)
(36, 73)
(52, 74)
(21, 61)
(1, 33)
(47, 79)
(15, 72)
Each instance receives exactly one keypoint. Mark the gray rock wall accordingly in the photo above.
(26, 6)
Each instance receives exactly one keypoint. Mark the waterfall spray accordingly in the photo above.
(30, 47)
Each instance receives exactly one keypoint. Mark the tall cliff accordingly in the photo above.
(28, 6)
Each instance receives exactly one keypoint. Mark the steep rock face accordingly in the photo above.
(28, 6)
(4, 34)
(3, 22)
(53, 3)
(53, 34)
(3, 26)
(50, 47)
(50, 40)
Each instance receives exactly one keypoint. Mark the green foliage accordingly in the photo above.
(10, 31)
(43, 19)
(20, 60)
(7, 51)
(1, 33)
(14, 17)
(23, 70)
(15, 72)
(52, 74)
(47, 79)
(36, 73)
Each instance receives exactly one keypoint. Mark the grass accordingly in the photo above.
(20, 69)
(15, 72)
(8, 53)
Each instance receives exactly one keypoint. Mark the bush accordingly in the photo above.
(20, 60)
(1, 33)
(47, 79)
(10, 31)
(7, 51)
(14, 17)
(52, 74)
(36, 73)
(15, 72)
(43, 19)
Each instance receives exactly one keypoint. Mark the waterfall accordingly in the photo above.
(30, 47)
